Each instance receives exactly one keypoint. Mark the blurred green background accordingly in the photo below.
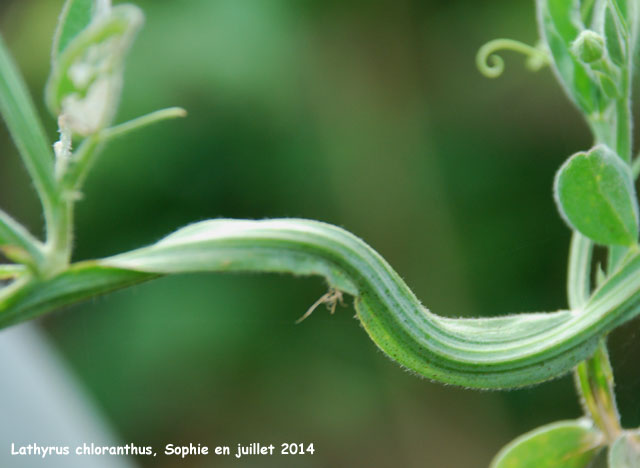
(370, 115)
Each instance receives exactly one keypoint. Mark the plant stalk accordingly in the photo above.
(594, 380)
(59, 239)
(594, 377)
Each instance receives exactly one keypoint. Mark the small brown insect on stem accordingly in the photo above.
(331, 298)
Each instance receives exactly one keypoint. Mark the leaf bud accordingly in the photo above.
(588, 46)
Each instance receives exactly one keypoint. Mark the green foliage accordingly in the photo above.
(86, 77)
(501, 352)
(595, 195)
(25, 128)
(597, 80)
(75, 17)
(576, 35)
(570, 444)
(560, 27)
(590, 47)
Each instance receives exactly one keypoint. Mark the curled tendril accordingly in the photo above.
(492, 65)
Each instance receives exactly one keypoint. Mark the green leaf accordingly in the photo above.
(25, 128)
(631, 11)
(625, 451)
(76, 16)
(566, 444)
(86, 80)
(24, 300)
(616, 33)
(18, 244)
(8, 272)
(587, 11)
(595, 195)
(560, 24)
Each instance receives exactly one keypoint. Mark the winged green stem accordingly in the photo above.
(500, 352)
(590, 49)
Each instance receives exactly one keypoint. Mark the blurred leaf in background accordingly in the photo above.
(369, 115)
